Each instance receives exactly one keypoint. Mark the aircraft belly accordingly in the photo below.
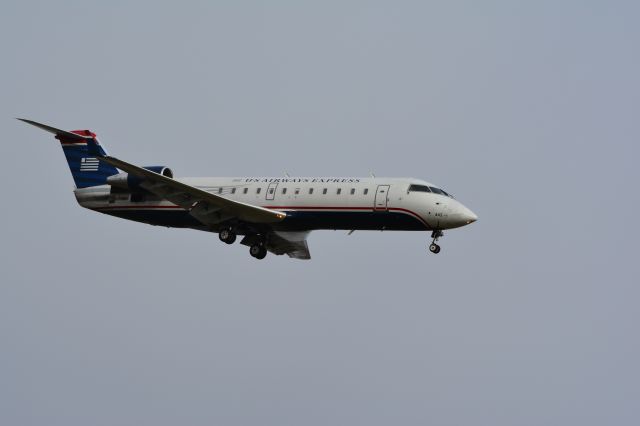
(295, 221)
(368, 220)
(174, 218)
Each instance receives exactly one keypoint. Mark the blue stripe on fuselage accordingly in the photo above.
(362, 220)
(174, 218)
(296, 220)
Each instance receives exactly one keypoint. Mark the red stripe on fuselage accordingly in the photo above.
(138, 207)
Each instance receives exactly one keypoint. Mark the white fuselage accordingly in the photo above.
(310, 203)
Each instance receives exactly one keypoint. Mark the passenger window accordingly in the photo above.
(284, 191)
(324, 191)
(339, 191)
(233, 190)
(246, 190)
(353, 191)
(220, 190)
(366, 191)
(258, 190)
(270, 190)
(310, 191)
(296, 191)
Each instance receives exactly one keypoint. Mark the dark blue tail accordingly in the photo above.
(85, 167)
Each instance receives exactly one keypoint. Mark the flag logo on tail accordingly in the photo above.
(89, 164)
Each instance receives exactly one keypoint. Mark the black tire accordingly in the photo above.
(262, 254)
(227, 235)
(434, 248)
(256, 250)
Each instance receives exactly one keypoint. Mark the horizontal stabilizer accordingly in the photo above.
(57, 132)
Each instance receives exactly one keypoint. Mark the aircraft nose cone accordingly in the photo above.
(469, 216)
(466, 216)
(459, 215)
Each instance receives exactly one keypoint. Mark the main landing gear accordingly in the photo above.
(256, 242)
(258, 250)
(435, 248)
(227, 235)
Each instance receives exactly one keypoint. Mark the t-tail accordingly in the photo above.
(81, 149)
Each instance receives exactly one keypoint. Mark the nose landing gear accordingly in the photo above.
(435, 248)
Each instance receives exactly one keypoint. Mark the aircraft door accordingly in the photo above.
(271, 190)
(382, 197)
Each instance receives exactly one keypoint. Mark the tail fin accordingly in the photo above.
(85, 168)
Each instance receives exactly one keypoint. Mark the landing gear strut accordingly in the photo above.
(227, 235)
(435, 248)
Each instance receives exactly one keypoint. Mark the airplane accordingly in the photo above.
(272, 214)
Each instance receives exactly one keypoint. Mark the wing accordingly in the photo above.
(293, 244)
(208, 208)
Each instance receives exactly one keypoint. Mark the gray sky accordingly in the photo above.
(526, 111)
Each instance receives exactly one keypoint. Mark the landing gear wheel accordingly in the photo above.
(258, 251)
(227, 235)
(435, 248)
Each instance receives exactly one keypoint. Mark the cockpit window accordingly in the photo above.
(425, 188)
(419, 188)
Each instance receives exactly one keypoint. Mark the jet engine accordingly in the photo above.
(127, 181)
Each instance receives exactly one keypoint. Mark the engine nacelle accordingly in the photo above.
(127, 181)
